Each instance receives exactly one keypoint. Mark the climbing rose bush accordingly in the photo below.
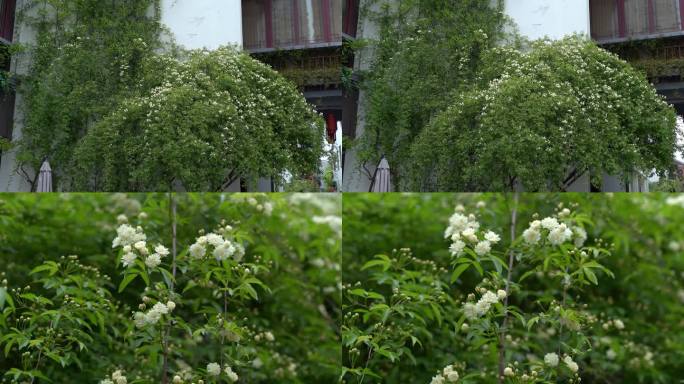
(174, 289)
(543, 117)
(535, 288)
(202, 122)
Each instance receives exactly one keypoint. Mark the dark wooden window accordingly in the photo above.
(613, 20)
(7, 19)
(350, 14)
(283, 24)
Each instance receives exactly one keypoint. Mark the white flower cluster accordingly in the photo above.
(676, 200)
(213, 369)
(448, 375)
(132, 241)
(153, 315)
(463, 231)
(571, 364)
(117, 378)
(220, 247)
(479, 309)
(551, 359)
(556, 232)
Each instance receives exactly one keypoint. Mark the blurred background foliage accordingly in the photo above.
(300, 240)
(642, 231)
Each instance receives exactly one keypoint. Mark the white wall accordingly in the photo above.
(550, 18)
(203, 23)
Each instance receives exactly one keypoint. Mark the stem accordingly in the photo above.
(173, 236)
(502, 335)
(164, 334)
(165, 352)
(560, 328)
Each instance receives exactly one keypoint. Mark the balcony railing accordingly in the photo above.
(622, 20)
(291, 24)
(7, 20)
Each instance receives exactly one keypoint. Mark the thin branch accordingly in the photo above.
(511, 256)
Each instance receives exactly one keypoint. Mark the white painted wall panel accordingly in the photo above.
(203, 23)
(549, 18)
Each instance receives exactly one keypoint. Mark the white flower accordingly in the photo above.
(501, 294)
(269, 336)
(224, 250)
(560, 234)
(161, 250)
(197, 251)
(452, 377)
(674, 246)
(611, 355)
(483, 247)
(439, 379)
(549, 223)
(580, 236)
(571, 364)
(481, 204)
(536, 225)
(202, 240)
(161, 308)
(153, 260)
(490, 297)
(457, 247)
(214, 239)
(127, 248)
(239, 252)
(470, 311)
(170, 305)
(213, 369)
(531, 236)
(141, 246)
(127, 235)
(139, 319)
(122, 219)
(508, 371)
(492, 237)
(118, 377)
(106, 381)
(469, 234)
(619, 324)
(457, 223)
(551, 359)
(232, 376)
(252, 201)
(177, 379)
(268, 208)
(128, 259)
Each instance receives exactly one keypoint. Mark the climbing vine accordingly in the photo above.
(424, 51)
(97, 80)
(456, 100)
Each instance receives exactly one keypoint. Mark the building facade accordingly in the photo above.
(299, 38)
(610, 23)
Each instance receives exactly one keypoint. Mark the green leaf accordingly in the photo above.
(590, 275)
(458, 271)
(127, 280)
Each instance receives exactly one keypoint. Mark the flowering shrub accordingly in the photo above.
(544, 117)
(536, 290)
(457, 101)
(112, 112)
(255, 299)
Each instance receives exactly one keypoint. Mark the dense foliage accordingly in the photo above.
(110, 113)
(425, 51)
(151, 288)
(594, 291)
(545, 117)
(457, 102)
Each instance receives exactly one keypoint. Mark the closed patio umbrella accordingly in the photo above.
(381, 180)
(45, 178)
